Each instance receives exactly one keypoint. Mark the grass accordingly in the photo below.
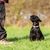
(19, 37)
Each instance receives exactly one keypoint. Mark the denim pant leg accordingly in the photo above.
(2, 14)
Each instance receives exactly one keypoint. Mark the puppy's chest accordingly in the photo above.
(35, 28)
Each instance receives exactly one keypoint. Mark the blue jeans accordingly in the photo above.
(2, 14)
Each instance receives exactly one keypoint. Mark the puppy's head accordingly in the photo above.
(34, 18)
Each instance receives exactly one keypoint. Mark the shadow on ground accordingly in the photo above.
(17, 38)
(47, 34)
(26, 37)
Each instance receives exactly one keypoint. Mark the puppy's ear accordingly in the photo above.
(39, 20)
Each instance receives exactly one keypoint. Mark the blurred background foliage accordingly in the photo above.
(18, 12)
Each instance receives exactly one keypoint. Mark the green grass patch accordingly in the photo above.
(20, 39)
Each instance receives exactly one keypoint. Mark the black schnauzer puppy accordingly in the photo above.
(35, 33)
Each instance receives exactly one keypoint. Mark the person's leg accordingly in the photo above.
(2, 30)
(2, 21)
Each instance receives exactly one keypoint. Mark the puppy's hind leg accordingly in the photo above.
(41, 36)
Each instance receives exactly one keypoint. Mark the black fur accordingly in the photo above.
(35, 33)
